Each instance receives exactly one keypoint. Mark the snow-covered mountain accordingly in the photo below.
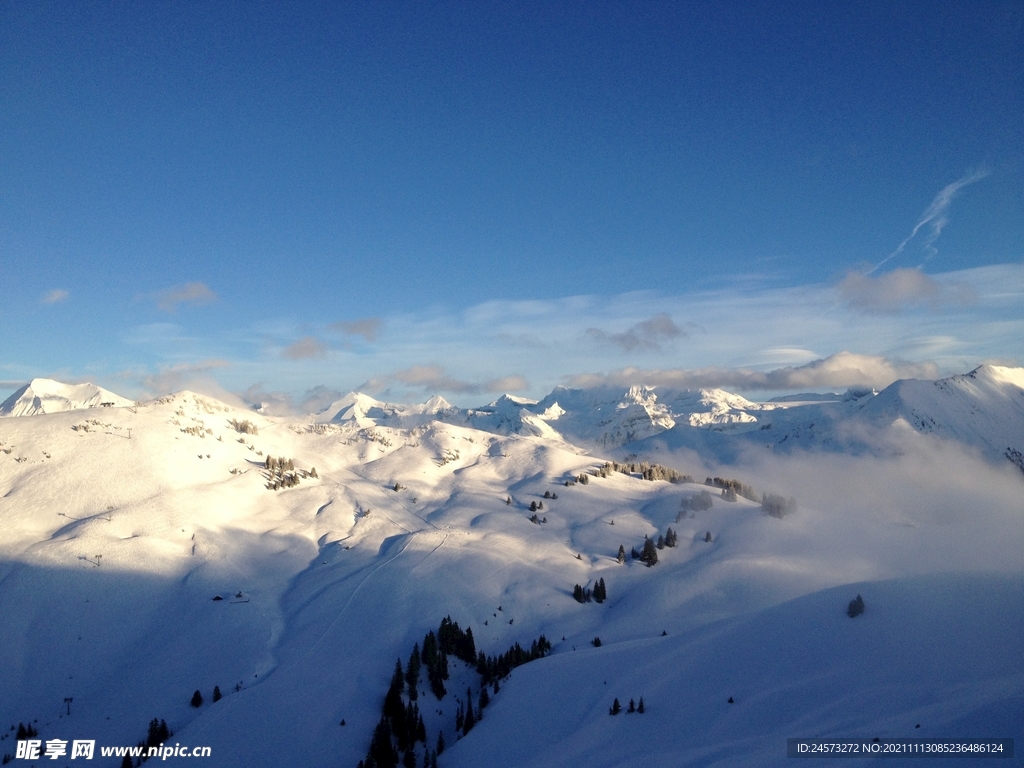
(983, 409)
(49, 396)
(152, 551)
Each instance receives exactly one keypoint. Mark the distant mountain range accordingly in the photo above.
(983, 409)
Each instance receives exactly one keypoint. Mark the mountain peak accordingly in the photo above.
(41, 396)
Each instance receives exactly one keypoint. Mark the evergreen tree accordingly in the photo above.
(216, 693)
(197, 699)
(412, 673)
(382, 752)
(616, 708)
(649, 554)
(856, 607)
(470, 719)
(631, 708)
(485, 698)
(533, 506)
(661, 541)
(640, 706)
(409, 759)
(622, 554)
(440, 743)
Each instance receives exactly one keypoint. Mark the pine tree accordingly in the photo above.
(382, 752)
(650, 553)
(616, 708)
(640, 706)
(856, 607)
(440, 743)
(485, 698)
(412, 674)
(470, 720)
(622, 554)
(216, 693)
(631, 708)
(197, 699)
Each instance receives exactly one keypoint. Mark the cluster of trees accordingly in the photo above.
(697, 502)
(157, 734)
(645, 469)
(583, 594)
(245, 427)
(538, 520)
(550, 495)
(197, 697)
(535, 505)
(732, 488)
(281, 473)
(26, 732)
(616, 708)
(401, 725)
(649, 553)
(777, 506)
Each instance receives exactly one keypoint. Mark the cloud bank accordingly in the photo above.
(840, 371)
(898, 290)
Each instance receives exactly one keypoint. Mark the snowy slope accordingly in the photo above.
(326, 583)
(49, 396)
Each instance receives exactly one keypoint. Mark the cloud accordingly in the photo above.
(644, 335)
(274, 403)
(897, 290)
(319, 397)
(431, 379)
(367, 327)
(192, 376)
(506, 384)
(841, 371)
(935, 217)
(55, 296)
(305, 348)
(189, 293)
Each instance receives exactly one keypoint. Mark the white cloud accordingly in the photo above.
(935, 217)
(55, 296)
(839, 371)
(898, 290)
(197, 377)
(305, 348)
(189, 293)
(367, 327)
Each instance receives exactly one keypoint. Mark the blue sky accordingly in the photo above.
(295, 200)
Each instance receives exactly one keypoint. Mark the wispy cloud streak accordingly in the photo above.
(935, 218)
